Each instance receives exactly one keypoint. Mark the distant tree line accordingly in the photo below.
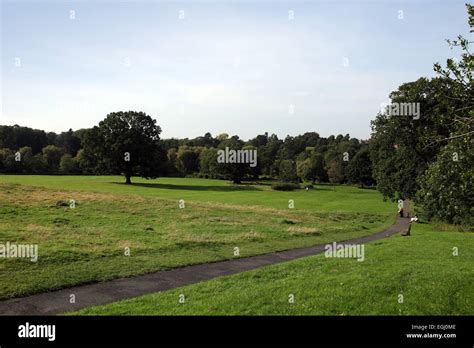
(26, 150)
(303, 158)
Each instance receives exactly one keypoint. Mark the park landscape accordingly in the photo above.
(117, 201)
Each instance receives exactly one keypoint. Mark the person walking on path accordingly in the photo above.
(400, 207)
(404, 207)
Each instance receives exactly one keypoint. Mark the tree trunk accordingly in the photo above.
(127, 179)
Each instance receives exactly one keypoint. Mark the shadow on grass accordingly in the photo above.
(193, 187)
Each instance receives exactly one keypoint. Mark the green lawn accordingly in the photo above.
(88, 243)
(325, 198)
(422, 268)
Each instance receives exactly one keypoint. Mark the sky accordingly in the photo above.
(239, 67)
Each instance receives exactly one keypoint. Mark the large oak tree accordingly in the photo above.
(125, 143)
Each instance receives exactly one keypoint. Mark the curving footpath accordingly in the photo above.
(56, 302)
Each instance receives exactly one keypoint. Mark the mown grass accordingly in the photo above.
(422, 268)
(88, 243)
(323, 198)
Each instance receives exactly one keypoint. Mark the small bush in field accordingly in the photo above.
(285, 187)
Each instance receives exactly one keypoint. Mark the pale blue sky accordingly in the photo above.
(234, 67)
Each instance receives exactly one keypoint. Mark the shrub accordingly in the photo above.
(285, 187)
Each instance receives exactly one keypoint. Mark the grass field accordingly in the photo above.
(421, 268)
(89, 243)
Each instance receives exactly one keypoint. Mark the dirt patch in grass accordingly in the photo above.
(229, 221)
(249, 208)
(249, 236)
(24, 195)
(39, 232)
(304, 230)
(130, 244)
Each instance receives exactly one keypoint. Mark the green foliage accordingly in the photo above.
(359, 169)
(336, 171)
(303, 169)
(222, 136)
(69, 141)
(15, 137)
(7, 159)
(125, 143)
(446, 187)
(447, 191)
(208, 163)
(231, 171)
(187, 159)
(317, 167)
(311, 168)
(286, 186)
(67, 164)
(52, 155)
(398, 145)
(402, 148)
(38, 164)
(287, 171)
(84, 166)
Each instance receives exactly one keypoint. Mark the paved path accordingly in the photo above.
(55, 302)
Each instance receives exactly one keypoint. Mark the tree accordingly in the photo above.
(311, 168)
(205, 141)
(68, 164)
(82, 162)
(208, 163)
(126, 143)
(415, 157)
(317, 165)
(287, 171)
(459, 76)
(172, 162)
(359, 169)
(303, 169)
(7, 159)
(232, 171)
(222, 137)
(52, 154)
(447, 190)
(15, 137)
(336, 172)
(38, 164)
(267, 153)
(399, 144)
(188, 159)
(69, 141)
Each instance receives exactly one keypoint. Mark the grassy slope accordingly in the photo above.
(326, 198)
(87, 243)
(421, 267)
